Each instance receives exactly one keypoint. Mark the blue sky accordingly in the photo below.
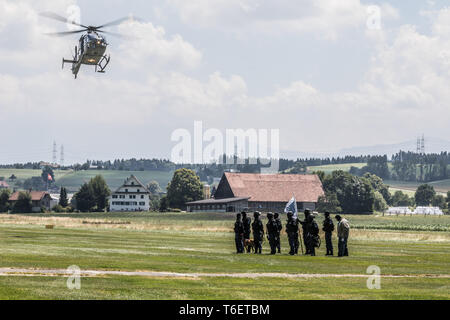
(312, 69)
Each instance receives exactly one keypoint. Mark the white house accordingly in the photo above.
(133, 195)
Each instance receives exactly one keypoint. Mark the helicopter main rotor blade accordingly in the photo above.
(57, 17)
(62, 34)
(116, 22)
(118, 35)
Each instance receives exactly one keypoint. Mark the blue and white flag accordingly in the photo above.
(292, 207)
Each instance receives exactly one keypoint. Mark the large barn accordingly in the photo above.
(261, 192)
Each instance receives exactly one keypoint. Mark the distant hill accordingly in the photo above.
(432, 145)
(72, 180)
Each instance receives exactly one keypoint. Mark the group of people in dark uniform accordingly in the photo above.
(243, 227)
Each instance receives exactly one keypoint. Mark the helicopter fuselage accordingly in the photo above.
(91, 51)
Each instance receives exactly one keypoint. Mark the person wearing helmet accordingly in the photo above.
(247, 221)
(292, 232)
(258, 232)
(272, 231)
(312, 238)
(328, 228)
(279, 228)
(305, 230)
(239, 234)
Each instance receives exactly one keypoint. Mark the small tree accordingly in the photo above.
(154, 188)
(448, 199)
(424, 195)
(163, 204)
(320, 174)
(184, 187)
(12, 178)
(23, 203)
(439, 201)
(4, 197)
(401, 199)
(155, 203)
(379, 204)
(328, 203)
(46, 172)
(34, 183)
(84, 198)
(100, 192)
(63, 200)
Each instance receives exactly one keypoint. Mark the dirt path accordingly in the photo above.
(160, 274)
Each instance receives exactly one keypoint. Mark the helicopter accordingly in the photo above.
(92, 45)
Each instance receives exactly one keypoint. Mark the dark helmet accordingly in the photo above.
(238, 216)
(270, 215)
(307, 212)
(256, 214)
(327, 214)
(290, 214)
(338, 217)
(244, 214)
(276, 215)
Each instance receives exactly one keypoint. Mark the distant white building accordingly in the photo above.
(133, 195)
(398, 210)
(428, 211)
(56, 196)
(418, 210)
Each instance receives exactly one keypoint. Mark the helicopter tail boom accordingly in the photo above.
(64, 61)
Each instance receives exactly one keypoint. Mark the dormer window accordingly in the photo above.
(126, 190)
(138, 190)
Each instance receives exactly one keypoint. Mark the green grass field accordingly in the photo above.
(441, 186)
(204, 243)
(23, 174)
(72, 180)
(333, 167)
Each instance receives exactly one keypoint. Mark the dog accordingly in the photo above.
(249, 245)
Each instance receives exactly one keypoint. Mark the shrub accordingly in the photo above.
(58, 209)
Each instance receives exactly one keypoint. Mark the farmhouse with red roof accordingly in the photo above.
(39, 199)
(261, 192)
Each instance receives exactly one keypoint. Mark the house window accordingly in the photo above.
(114, 196)
(138, 190)
(126, 190)
(142, 196)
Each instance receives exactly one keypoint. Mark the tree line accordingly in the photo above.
(348, 193)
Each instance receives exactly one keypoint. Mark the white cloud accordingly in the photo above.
(404, 88)
(324, 18)
(153, 48)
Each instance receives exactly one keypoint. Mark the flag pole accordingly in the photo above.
(301, 232)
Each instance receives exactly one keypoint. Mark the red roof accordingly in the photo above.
(3, 184)
(275, 187)
(35, 195)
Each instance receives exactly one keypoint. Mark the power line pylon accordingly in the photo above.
(61, 159)
(54, 152)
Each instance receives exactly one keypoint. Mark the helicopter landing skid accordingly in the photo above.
(104, 61)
